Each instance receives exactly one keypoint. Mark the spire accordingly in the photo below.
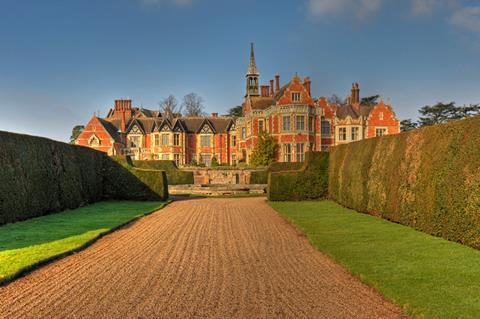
(252, 68)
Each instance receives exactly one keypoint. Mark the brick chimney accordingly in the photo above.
(277, 83)
(272, 93)
(123, 109)
(264, 89)
(215, 114)
(355, 94)
(307, 84)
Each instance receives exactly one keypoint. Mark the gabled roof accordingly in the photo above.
(261, 103)
(111, 129)
(282, 90)
(138, 123)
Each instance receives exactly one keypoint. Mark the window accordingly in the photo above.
(165, 139)
(176, 139)
(234, 140)
(135, 141)
(287, 152)
(342, 133)
(326, 128)
(310, 123)
(380, 131)
(165, 157)
(380, 116)
(94, 141)
(354, 133)
(300, 152)
(156, 140)
(206, 159)
(205, 140)
(176, 159)
(296, 97)
(234, 159)
(244, 133)
(260, 126)
(286, 123)
(300, 123)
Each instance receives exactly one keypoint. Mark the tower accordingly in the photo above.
(252, 75)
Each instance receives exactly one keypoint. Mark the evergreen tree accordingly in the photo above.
(370, 100)
(264, 152)
(235, 111)
(77, 129)
(408, 125)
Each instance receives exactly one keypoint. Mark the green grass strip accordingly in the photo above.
(29, 244)
(428, 276)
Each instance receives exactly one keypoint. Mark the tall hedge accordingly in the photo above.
(261, 176)
(175, 176)
(40, 176)
(123, 181)
(309, 182)
(428, 179)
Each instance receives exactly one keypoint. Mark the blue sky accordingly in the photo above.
(60, 61)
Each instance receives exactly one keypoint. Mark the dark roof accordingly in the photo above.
(111, 129)
(282, 90)
(262, 103)
(349, 110)
(194, 124)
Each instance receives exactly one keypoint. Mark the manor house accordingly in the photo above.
(298, 122)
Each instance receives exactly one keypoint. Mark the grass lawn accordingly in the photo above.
(429, 276)
(25, 245)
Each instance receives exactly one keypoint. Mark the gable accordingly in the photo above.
(295, 87)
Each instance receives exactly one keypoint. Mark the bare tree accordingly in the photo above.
(193, 105)
(169, 106)
(335, 99)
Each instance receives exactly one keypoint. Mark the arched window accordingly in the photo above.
(94, 141)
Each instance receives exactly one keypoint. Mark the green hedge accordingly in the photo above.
(261, 176)
(428, 179)
(175, 176)
(40, 176)
(309, 182)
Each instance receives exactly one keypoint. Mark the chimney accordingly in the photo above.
(215, 114)
(277, 83)
(357, 91)
(307, 84)
(271, 88)
(264, 90)
(123, 105)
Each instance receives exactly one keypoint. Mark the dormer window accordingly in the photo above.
(296, 97)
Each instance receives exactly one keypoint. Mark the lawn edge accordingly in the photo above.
(407, 311)
(30, 268)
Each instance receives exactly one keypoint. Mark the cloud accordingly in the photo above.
(466, 18)
(361, 8)
(423, 7)
(149, 3)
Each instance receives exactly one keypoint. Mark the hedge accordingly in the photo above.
(428, 179)
(309, 182)
(261, 176)
(40, 176)
(124, 181)
(175, 176)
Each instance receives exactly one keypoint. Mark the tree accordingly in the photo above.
(193, 105)
(235, 111)
(169, 106)
(408, 125)
(264, 152)
(370, 100)
(335, 99)
(77, 129)
(437, 114)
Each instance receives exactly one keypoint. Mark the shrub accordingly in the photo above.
(261, 176)
(175, 176)
(264, 152)
(309, 182)
(123, 181)
(427, 178)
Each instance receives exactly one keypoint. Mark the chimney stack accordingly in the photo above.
(355, 93)
(215, 114)
(272, 93)
(264, 90)
(307, 84)
(277, 83)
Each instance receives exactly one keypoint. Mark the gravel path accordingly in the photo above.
(202, 258)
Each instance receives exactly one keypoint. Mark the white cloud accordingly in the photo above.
(423, 7)
(360, 8)
(160, 2)
(466, 18)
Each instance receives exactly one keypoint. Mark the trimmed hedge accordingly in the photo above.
(175, 176)
(428, 179)
(261, 176)
(309, 182)
(40, 176)
(124, 181)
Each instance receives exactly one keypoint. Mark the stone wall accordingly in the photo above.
(207, 176)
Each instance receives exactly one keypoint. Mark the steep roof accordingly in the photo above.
(111, 129)
(261, 103)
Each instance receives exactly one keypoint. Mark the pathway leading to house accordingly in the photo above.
(201, 258)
